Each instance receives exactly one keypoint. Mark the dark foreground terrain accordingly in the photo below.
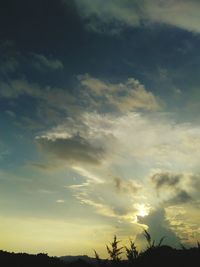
(159, 256)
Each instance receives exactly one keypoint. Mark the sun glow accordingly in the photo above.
(143, 210)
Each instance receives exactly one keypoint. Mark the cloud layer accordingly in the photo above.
(99, 130)
(154, 168)
(130, 156)
(133, 13)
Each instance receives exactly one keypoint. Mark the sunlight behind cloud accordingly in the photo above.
(134, 141)
(143, 210)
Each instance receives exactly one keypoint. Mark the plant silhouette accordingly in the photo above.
(155, 255)
(114, 251)
(132, 252)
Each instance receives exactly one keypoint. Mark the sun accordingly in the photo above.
(143, 210)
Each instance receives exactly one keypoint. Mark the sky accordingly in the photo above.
(99, 124)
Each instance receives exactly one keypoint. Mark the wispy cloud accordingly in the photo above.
(60, 201)
(127, 96)
(107, 201)
(88, 175)
(44, 63)
(92, 95)
(50, 103)
(114, 16)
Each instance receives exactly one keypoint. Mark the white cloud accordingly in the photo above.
(88, 175)
(127, 96)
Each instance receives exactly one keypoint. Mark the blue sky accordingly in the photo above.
(100, 134)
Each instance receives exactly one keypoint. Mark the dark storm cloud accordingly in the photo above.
(161, 180)
(73, 149)
(159, 227)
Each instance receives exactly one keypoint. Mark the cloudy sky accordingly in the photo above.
(100, 125)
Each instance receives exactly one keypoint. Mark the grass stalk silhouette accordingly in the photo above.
(131, 252)
(114, 251)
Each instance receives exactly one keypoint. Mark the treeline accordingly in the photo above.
(8, 259)
(154, 255)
